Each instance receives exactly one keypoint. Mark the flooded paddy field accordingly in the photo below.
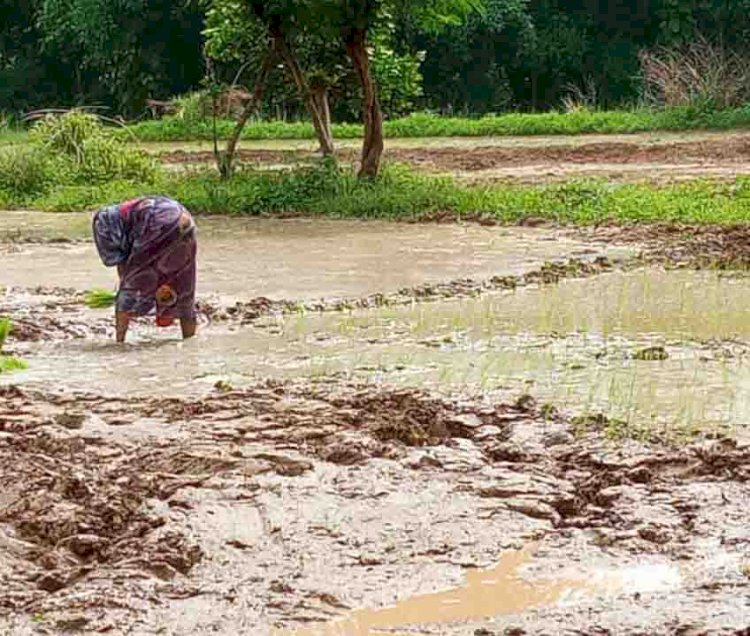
(381, 429)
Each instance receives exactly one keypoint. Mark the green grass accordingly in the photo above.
(8, 364)
(401, 194)
(425, 125)
(5, 326)
(11, 136)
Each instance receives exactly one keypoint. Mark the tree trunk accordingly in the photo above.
(319, 95)
(225, 160)
(372, 115)
(321, 125)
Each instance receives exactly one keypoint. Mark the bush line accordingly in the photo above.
(400, 193)
(425, 125)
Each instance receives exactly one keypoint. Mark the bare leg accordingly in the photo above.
(122, 321)
(189, 326)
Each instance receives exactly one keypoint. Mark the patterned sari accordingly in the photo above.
(152, 241)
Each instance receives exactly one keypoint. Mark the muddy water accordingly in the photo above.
(297, 259)
(576, 345)
(499, 591)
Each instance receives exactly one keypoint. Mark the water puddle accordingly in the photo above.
(496, 592)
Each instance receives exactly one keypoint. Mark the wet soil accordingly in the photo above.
(681, 244)
(156, 488)
(659, 351)
(640, 158)
(282, 505)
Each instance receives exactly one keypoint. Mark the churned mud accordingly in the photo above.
(284, 508)
(410, 429)
(624, 158)
(682, 245)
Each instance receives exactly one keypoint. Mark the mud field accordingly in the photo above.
(382, 429)
(652, 157)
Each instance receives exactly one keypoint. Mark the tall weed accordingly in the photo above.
(699, 74)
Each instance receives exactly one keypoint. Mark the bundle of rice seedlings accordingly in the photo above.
(100, 299)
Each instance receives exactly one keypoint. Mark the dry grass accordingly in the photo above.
(697, 73)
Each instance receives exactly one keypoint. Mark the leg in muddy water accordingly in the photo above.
(122, 321)
(188, 327)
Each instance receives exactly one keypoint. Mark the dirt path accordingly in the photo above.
(623, 158)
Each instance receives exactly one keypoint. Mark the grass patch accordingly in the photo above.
(5, 326)
(8, 364)
(12, 136)
(426, 125)
(400, 193)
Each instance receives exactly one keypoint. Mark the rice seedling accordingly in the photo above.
(100, 299)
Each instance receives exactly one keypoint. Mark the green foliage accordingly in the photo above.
(9, 364)
(235, 35)
(68, 150)
(123, 51)
(193, 107)
(400, 193)
(508, 54)
(398, 75)
(28, 170)
(540, 49)
(5, 326)
(95, 153)
(67, 134)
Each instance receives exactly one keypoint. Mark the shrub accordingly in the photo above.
(66, 134)
(67, 150)
(28, 171)
(700, 73)
(193, 107)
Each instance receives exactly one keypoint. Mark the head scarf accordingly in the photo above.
(111, 236)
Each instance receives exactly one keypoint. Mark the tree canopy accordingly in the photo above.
(521, 54)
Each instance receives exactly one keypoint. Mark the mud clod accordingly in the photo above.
(651, 354)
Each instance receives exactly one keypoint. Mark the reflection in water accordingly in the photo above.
(496, 592)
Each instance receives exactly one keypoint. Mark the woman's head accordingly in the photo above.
(110, 236)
